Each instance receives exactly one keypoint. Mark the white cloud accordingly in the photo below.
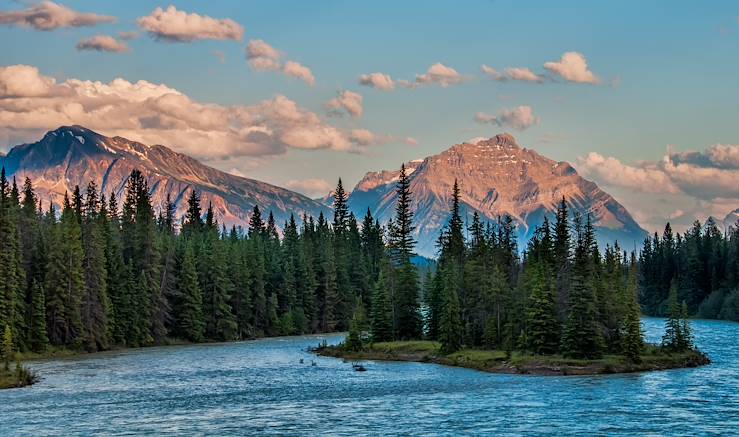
(572, 67)
(613, 172)
(513, 73)
(522, 74)
(379, 81)
(439, 74)
(492, 72)
(263, 57)
(179, 26)
(102, 43)
(23, 81)
(348, 101)
(520, 117)
(299, 71)
(707, 175)
(364, 137)
(48, 15)
(31, 103)
(410, 141)
(311, 187)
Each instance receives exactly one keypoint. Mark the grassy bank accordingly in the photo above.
(497, 361)
(16, 376)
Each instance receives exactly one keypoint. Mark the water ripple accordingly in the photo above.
(259, 387)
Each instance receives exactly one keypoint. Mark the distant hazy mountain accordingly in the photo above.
(73, 155)
(496, 177)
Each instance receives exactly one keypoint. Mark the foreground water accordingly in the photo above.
(261, 387)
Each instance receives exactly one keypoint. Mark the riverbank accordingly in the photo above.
(496, 361)
(16, 377)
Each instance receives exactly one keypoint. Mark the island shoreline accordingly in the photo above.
(520, 364)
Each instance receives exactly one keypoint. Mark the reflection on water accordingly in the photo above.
(261, 387)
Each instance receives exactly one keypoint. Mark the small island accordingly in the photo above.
(497, 361)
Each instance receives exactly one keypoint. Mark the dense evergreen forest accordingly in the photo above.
(702, 265)
(560, 296)
(97, 275)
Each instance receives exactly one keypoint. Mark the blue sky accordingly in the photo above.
(667, 76)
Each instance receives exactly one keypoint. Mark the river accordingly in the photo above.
(260, 387)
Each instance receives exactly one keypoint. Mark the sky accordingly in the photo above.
(641, 97)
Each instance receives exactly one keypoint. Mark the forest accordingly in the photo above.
(702, 264)
(96, 275)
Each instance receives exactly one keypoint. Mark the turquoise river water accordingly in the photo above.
(260, 387)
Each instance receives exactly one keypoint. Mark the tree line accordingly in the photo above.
(701, 265)
(95, 275)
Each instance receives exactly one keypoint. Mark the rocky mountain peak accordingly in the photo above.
(497, 177)
(75, 155)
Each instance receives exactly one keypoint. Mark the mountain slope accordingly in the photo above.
(74, 155)
(496, 177)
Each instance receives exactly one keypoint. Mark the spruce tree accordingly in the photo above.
(190, 321)
(13, 284)
(581, 336)
(95, 303)
(37, 337)
(381, 321)
(633, 339)
(543, 326)
(450, 325)
(673, 336)
(64, 282)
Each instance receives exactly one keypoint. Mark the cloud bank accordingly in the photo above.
(32, 103)
(705, 175)
(173, 25)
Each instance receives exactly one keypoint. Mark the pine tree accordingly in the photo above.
(450, 325)
(64, 282)
(633, 339)
(401, 242)
(193, 221)
(95, 303)
(581, 335)
(673, 337)
(406, 298)
(381, 322)
(13, 284)
(190, 321)
(37, 336)
(543, 326)
(7, 347)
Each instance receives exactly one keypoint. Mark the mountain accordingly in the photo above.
(496, 177)
(74, 155)
(731, 219)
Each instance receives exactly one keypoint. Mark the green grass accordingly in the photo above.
(407, 346)
(478, 355)
(16, 377)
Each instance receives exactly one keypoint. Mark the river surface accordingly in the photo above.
(260, 387)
